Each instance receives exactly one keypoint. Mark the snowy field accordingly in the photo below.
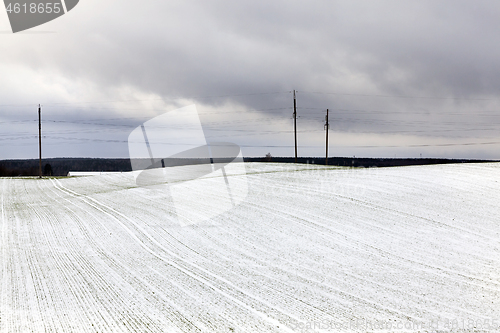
(310, 249)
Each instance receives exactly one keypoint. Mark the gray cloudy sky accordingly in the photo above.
(401, 78)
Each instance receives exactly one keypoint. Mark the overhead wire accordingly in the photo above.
(340, 115)
(398, 96)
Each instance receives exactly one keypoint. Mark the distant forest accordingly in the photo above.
(61, 166)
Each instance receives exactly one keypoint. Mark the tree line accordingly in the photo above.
(61, 166)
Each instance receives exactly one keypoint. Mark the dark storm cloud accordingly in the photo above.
(197, 48)
(439, 47)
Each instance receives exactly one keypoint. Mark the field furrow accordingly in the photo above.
(309, 249)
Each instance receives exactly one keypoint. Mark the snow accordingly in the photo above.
(309, 249)
(89, 173)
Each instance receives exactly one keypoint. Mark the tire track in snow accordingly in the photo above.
(293, 241)
(105, 209)
(123, 268)
(76, 284)
(308, 273)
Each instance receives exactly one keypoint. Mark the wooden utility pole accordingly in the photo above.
(40, 140)
(295, 123)
(327, 127)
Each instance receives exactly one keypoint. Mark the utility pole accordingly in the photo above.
(327, 127)
(40, 140)
(295, 123)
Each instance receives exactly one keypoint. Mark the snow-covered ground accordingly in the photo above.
(309, 249)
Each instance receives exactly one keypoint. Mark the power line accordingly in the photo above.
(400, 96)
(290, 146)
(342, 117)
